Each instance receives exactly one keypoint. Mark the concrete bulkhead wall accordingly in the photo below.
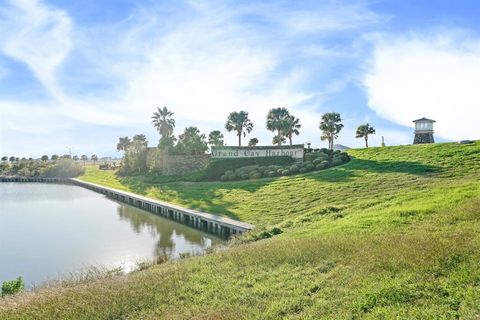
(201, 220)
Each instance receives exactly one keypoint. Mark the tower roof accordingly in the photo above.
(424, 119)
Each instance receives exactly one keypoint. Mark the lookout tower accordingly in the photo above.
(423, 131)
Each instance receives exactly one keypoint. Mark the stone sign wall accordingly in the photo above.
(157, 160)
(295, 151)
(170, 165)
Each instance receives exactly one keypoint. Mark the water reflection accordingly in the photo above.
(49, 230)
(168, 232)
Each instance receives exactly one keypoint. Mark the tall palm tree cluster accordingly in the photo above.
(286, 125)
(279, 120)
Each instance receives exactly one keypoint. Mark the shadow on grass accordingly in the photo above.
(195, 195)
(205, 196)
(358, 167)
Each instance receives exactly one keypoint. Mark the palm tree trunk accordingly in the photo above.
(366, 141)
(240, 138)
(279, 138)
(290, 138)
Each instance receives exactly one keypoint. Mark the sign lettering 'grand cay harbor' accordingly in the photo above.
(296, 151)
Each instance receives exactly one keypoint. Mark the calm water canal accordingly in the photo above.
(48, 231)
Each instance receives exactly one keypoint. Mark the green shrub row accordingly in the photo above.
(217, 168)
(319, 162)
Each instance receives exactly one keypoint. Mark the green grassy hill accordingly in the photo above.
(395, 233)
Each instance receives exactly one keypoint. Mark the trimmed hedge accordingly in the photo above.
(217, 168)
(318, 160)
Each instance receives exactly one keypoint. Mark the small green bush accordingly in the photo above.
(255, 175)
(276, 230)
(343, 156)
(185, 255)
(326, 151)
(309, 157)
(264, 235)
(274, 167)
(310, 167)
(302, 170)
(337, 162)
(305, 163)
(244, 176)
(320, 166)
(262, 169)
(285, 172)
(294, 168)
(13, 286)
(271, 173)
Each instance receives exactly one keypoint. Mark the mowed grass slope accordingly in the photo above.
(395, 233)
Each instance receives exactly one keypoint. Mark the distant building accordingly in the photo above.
(423, 131)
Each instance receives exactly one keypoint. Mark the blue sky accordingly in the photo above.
(80, 74)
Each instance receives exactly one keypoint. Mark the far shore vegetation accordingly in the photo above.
(56, 167)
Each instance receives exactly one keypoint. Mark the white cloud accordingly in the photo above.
(202, 63)
(432, 76)
(331, 16)
(36, 35)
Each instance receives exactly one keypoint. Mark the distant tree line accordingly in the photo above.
(54, 157)
(58, 167)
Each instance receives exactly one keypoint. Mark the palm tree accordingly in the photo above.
(44, 158)
(4, 158)
(163, 121)
(94, 158)
(75, 158)
(140, 139)
(279, 140)
(331, 124)
(12, 159)
(123, 143)
(363, 131)
(292, 125)
(239, 122)
(54, 157)
(277, 121)
(253, 142)
(215, 138)
(83, 158)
